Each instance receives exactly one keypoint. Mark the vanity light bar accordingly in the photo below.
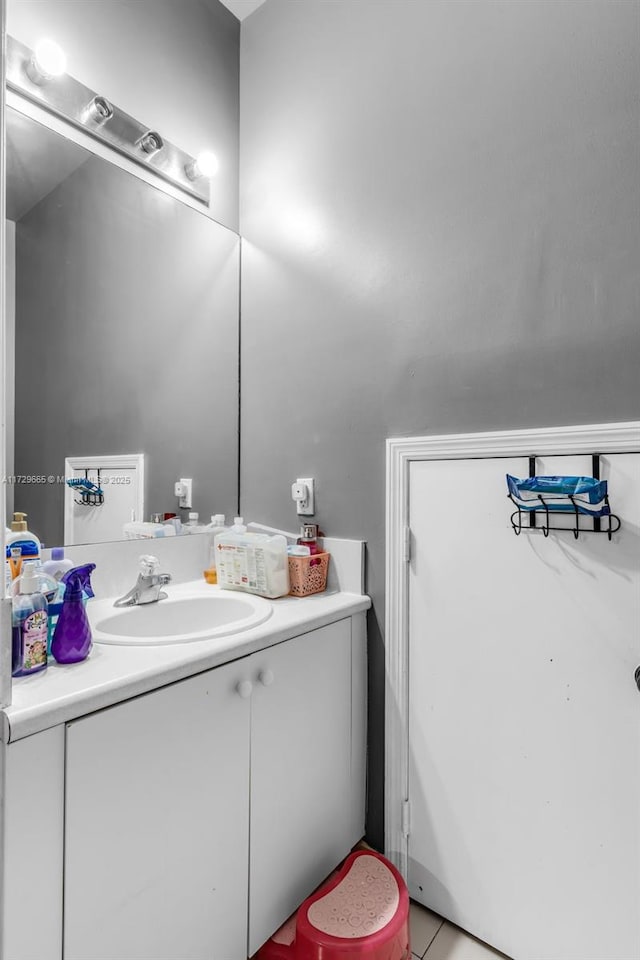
(95, 115)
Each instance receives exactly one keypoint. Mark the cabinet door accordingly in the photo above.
(31, 868)
(157, 825)
(300, 771)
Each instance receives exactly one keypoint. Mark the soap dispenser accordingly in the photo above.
(72, 639)
(22, 545)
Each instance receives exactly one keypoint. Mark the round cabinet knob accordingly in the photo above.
(266, 677)
(637, 676)
(244, 689)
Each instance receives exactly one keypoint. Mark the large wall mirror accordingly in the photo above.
(123, 319)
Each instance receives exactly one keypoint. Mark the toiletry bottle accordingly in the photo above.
(72, 636)
(298, 550)
(193, 526)
(58, 565)
(29, 619)
(217, 523)
(309, 537)
(13, 563)
(43, 582)
(215, 527)
(22, 540)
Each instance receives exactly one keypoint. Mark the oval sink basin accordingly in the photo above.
(176, 620)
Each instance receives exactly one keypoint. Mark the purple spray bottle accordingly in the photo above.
(72, 636)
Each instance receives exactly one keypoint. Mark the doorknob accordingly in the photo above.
(637, 676)
(266, 677)
(244, 688)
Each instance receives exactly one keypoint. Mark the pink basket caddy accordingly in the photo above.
(308, 575)
(360, 913)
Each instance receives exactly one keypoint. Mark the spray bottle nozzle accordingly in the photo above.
(78, 582)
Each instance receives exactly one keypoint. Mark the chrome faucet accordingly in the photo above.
(148, 585)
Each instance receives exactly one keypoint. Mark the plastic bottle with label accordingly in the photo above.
(29, 623)
(58, 565)
(22, 545)
(309, 538)
(214, 528)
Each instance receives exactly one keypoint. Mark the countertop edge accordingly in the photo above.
(17, 723)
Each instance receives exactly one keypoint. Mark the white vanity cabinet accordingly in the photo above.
(199, 815)
(157, 825)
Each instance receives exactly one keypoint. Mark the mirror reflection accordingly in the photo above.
(122, 308)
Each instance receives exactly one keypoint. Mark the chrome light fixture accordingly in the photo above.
(98, 111)
(150, 143)
(32, 73)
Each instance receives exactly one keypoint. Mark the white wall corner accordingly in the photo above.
(346, 567)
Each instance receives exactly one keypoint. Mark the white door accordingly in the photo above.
(121, 478)
(300, 772)
(524, 737)
(157, 816)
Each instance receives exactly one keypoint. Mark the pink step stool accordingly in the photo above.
(362, 911)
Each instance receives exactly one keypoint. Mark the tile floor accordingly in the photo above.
(436, 939)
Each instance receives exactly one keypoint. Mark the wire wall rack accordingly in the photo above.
(90, 493)
(538, 498)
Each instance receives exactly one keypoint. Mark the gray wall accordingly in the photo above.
(170, 63)
(126, 342)
(441, 210)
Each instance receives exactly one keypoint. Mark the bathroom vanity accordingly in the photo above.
(182, 800)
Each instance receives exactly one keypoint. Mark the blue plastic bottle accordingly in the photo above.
(72, 639)
(29, 620)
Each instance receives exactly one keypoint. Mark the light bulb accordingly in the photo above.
(48, 61)
(205, 165)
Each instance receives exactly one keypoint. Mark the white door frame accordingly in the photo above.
(401, 451)
(5, 605)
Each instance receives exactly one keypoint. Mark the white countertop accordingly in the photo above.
(115, 673)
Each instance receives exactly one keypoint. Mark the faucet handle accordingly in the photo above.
(148, 565)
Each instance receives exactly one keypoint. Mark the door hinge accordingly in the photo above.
(406, 818)
(406, 545)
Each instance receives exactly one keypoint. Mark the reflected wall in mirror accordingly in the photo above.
(126, 332)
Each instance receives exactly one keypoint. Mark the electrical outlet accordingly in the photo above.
(303, 492)
(184, 491)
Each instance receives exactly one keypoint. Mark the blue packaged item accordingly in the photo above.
(586, 495)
